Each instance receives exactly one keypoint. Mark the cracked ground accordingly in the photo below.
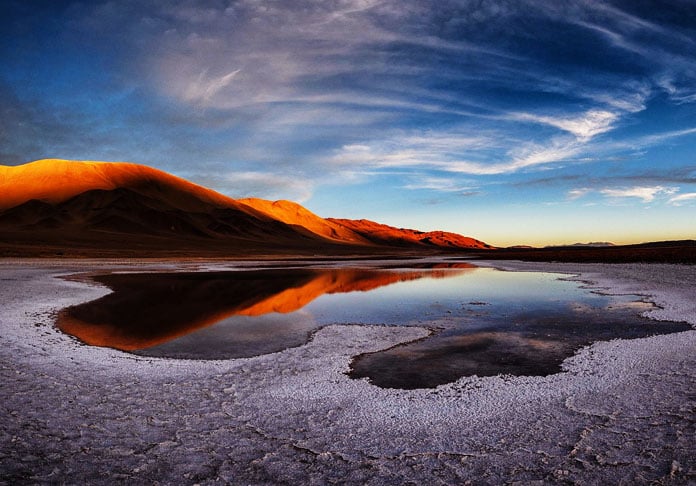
(622, 412)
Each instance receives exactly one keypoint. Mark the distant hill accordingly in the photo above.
(76, 207)
(681, 251)
(381, 234)
(592, 244)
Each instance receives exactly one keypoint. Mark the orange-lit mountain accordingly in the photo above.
(381, 234)
(55, 181)
(293, 214)
(58, 206)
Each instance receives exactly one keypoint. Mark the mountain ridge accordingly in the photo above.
(124, 206)
(293, 213)
(379, 233)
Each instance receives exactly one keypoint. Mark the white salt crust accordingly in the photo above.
(621, 412)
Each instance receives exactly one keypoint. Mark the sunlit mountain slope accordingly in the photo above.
(382, 234)
(58, 204)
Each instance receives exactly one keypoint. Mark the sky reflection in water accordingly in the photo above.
(486, 322)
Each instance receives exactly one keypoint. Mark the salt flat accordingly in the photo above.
(622, 411)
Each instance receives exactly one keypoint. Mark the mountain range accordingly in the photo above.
(55, 206)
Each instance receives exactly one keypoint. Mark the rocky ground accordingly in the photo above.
(622, 412)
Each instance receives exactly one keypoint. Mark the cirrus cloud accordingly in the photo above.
(257, 184)
(584, 126)
(646, 194)
(683, 198)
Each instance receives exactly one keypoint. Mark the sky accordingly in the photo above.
(514, 122)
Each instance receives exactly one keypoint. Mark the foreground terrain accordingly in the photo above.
(622, 411)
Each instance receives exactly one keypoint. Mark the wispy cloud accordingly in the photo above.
(680, 94)
(584, 126)
(527, 157)
(646, 194)
(660, 137)
(433, 150)
(578, 193)
(205, 87)
(440, 184)
(556, 150)
(450, 154)
(257, 184)
(682, 199)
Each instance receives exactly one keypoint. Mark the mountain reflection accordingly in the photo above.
(147, 310)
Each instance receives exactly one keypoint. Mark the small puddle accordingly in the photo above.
(486, 322)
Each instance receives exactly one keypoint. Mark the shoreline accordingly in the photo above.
(295, 416)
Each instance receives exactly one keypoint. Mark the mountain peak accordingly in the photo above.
(57, 180)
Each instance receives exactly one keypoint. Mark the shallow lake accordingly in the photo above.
(484, 321)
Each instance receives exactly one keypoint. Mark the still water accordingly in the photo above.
(484, 321)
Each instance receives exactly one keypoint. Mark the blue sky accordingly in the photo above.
(515, 122)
